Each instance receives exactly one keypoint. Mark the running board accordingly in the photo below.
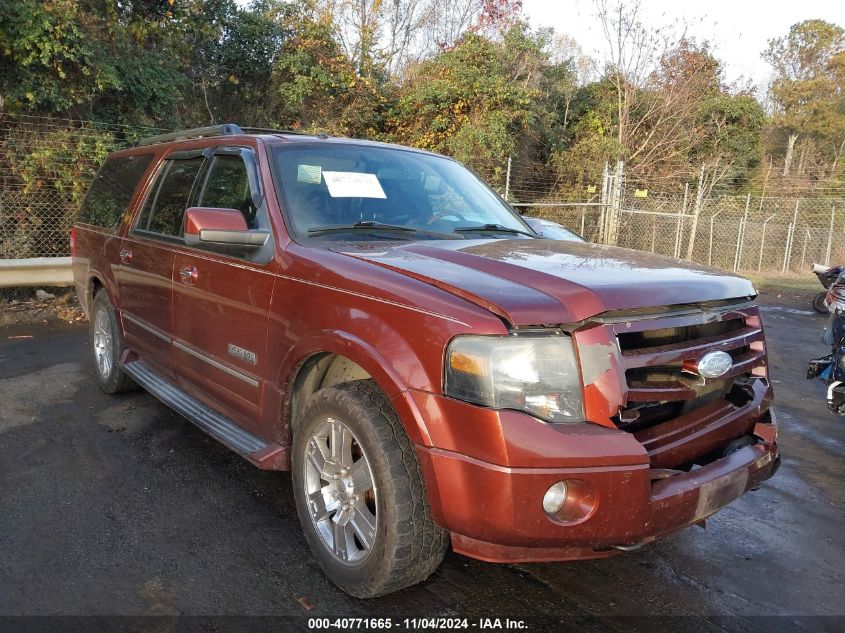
(265, 455)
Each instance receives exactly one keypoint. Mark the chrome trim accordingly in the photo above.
(146, 326)
(188, 350)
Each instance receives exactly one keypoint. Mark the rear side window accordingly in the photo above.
(165, 205)
(109, 195)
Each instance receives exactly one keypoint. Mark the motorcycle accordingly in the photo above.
(826, 276)
(831, 368)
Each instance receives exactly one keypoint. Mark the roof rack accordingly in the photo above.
(226, 129)
(198, 132)
(269, 130)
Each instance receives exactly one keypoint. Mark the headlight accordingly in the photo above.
(537, 374)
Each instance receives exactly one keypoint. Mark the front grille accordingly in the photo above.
(658, 385)
(660, 397)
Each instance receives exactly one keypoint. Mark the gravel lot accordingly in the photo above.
(117, 506)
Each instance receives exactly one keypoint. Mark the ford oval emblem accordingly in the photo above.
(714, 364)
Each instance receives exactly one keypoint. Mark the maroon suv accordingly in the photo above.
(377, 320)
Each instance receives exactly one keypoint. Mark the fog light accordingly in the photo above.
(555, 497)
(570, 501)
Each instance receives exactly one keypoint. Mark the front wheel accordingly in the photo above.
(818, 303)
(359, 493)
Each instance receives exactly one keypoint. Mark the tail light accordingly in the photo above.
(73, 242)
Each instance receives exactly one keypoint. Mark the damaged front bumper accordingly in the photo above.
(496, 513)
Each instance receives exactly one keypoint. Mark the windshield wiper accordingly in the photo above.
(492, 228)
(368, 225)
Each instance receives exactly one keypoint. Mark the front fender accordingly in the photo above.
(391, 362)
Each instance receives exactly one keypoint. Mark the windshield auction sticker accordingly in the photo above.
(308, 173)
(350, 184)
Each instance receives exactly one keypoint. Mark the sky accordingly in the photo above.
(739, 29)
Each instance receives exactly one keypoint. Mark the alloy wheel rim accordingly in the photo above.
(103, 343)
(340, 493)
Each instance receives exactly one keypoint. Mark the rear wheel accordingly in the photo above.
(818, 303)
(359, 493)
(106, 344)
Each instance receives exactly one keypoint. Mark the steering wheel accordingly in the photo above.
(444, 214)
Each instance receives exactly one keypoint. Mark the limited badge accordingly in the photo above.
(244, 354)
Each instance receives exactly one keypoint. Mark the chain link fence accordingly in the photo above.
(46, 165)
(740, 233)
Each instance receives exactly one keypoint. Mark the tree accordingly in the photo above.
(568, 71)
(48, 62)
(231, 52)
(91, 59)
(591, 140)
(473, 102)
(665, 122)
(660, 79)
(732, 139)
(317, 87)
(382, 37)
(807, 88)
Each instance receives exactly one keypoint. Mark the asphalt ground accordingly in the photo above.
(116, 506)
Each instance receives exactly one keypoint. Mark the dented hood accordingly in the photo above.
(535, 282)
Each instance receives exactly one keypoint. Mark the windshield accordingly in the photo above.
(359, 192)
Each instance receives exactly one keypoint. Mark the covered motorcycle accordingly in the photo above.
(831, 368)
(826, 276)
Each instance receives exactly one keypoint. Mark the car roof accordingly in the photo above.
(232, 133)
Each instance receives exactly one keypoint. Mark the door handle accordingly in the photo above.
(188, 274)
(125, 255)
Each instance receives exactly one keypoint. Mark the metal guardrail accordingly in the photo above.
(37, 271)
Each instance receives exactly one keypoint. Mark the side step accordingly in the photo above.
(265, 455)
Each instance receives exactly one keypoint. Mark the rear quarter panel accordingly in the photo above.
(97, 252)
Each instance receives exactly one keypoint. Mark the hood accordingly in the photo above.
(536, 282)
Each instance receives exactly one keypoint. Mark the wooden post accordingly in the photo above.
(508, 182)
(653, 232)
(804, 249)
(605, 191)
(790, 236)
(710, 249)
(699, 196)
(681, 218)
(763, 240)
(787, 248)
(738, 251)
(830, 236)
(615, 205)
(740, 238)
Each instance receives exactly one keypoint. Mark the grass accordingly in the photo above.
(807, 284)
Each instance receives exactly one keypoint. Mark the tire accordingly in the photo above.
(818, 303)
(105, 341)
(405, 546)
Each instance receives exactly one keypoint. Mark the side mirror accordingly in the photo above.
(535, 225)
(207, 226)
